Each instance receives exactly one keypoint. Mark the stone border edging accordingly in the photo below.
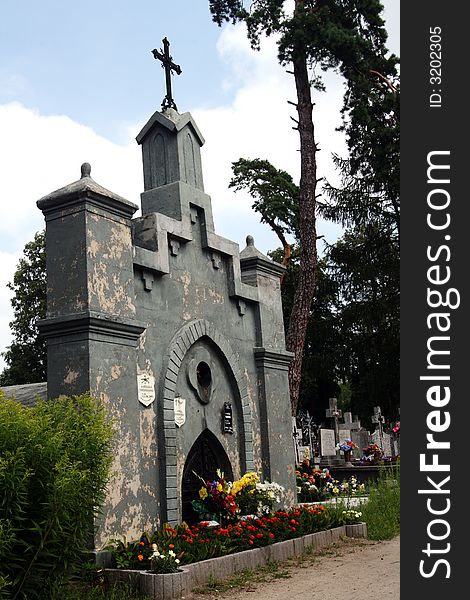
(173, 586)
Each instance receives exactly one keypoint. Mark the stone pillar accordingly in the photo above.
(272, 363)
(90, 328)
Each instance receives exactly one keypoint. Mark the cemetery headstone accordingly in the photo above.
(327, 442)
(297, 439)
(364, 440)
(376, 438)
(379, 420)
(387, 443)
(334, 414)
(344, 435)
(357, 438)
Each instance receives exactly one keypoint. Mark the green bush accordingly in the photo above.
(382, 511)
(54, 464)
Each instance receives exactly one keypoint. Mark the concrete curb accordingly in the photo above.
(173, 586)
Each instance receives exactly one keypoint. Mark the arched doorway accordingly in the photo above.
(205, 457)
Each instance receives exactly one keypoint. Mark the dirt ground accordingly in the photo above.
(351, 569)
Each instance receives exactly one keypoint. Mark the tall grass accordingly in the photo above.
(382, 511)
(83, 591)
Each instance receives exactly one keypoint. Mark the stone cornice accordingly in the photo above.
(92, 325)
(273, 359)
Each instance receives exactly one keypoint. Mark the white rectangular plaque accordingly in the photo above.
(327, 441)
(146, 388)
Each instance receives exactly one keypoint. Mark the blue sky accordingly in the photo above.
(78, 80)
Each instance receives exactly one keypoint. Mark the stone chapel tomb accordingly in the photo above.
(179, 333)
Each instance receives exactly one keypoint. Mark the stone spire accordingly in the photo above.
(171, 154)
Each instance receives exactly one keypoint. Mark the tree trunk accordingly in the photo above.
(304, 293)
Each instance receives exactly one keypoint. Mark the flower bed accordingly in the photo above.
(189, 544)
(179, 584)
(168, 562)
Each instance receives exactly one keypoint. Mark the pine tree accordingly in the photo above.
(344, 35)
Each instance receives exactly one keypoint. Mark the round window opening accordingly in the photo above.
(204, 376)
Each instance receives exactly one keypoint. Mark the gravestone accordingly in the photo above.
(362, 439)
(349, 423)
(376, 438)
(177, 331)
(396, 447)
(351, 427)
(379, 420)
(306, 433)
(334, 414)
(387, 443)
(327, 442)
(329, 455)
(297, 439)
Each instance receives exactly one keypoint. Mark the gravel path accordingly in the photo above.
(348, 570)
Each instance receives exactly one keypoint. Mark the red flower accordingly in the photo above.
(140, 557)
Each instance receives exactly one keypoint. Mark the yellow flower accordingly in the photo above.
(236, 487)
(219, 487)
(248, 480)
(203, 493)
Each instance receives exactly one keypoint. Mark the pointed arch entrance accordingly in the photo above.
(205, 457)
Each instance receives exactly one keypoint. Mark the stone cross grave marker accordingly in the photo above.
(334, 413)
(351, 427)
(350, 423)
(308, 429)
(379, 419)
(297, 438)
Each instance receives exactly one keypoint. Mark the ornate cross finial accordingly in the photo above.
(169, 66)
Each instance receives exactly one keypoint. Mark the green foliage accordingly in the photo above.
(53, 472)
(382, 511)
(26, 356)
(275, 195)
(364, 264)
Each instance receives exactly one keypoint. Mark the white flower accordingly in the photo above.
(171, 553)
(177, 561)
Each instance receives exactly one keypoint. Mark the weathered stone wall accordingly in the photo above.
(158, 296)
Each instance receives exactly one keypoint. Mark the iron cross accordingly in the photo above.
(169, 66)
